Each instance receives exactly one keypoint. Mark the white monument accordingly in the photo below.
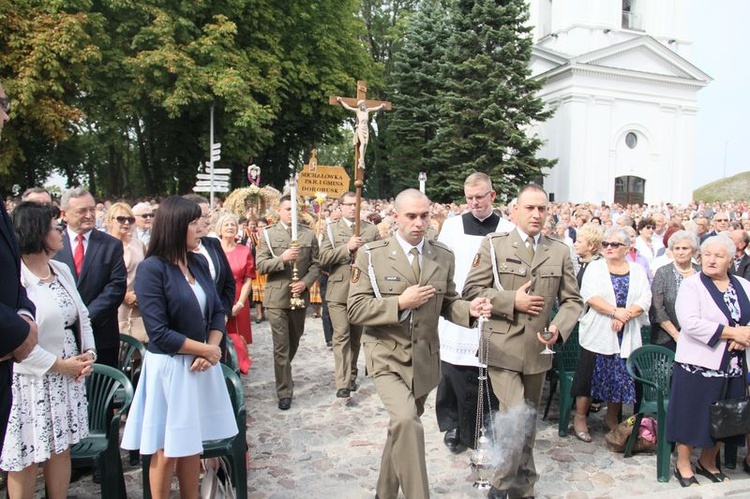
(618, 75)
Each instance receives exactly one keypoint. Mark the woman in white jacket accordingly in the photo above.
(49, 411)
(616, 293)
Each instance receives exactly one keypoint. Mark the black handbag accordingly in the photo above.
(730, 417)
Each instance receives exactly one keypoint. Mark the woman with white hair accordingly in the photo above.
(714, 311)
(665, 327)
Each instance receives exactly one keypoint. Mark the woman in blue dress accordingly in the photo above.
(617, 293)
(181, 399)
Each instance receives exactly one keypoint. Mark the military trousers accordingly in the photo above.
(346, 345)
(403, 463)
(287, 327)
(511, 389)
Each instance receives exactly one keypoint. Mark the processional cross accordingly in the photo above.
(362, 107)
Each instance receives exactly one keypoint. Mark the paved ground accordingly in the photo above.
(330, 448)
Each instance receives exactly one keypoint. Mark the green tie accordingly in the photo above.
(530, 246)
(415, 263)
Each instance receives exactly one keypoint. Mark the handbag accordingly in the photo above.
(217, 480)
(730, 417)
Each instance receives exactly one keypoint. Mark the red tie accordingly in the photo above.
(78, 257)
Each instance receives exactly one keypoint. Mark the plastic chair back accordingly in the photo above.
(101, 387)
(130, 357)
(652, 366)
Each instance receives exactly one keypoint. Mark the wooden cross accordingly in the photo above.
(359, 171)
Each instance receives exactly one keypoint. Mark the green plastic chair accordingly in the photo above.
(564, 367)
(646, 335)
(234, 448)
(102, 446)
(130, 357)
(652, 366)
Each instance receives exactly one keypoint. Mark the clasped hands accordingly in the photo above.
(210, 356)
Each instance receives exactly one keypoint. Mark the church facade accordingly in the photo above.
(618, 75)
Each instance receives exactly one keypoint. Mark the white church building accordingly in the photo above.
(617, 74)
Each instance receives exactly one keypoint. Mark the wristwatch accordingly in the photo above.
(92, 352)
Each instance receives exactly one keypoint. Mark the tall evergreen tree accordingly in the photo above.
(417, 89)
(491, 98)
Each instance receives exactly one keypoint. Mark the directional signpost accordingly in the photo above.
(215, 179)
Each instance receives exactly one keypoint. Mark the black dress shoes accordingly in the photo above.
(685, 482)
(451, 439)
(497, 494)
(353, 386)
(714, 477)
(343, 393)
(285, 403)
(746, 465)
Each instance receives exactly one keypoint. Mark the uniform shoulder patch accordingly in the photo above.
(355, 275)
(475, 262)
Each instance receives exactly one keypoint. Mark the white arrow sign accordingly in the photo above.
(209, 189)
(207, 183)
(208, 176)
(223, 171)
(216, 151)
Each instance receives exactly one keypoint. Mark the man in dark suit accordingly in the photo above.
(96, 260)
(218, 264)
(18, 332)
(741, 265)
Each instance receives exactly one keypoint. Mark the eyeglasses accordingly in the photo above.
(348, 204)
(478, 198)
(614, 245)
(146, 215)
(122, 220)
(5, 104)
(59, 228)
(721, 219)
(650, 227)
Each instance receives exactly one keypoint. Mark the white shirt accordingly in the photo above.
(73, 236)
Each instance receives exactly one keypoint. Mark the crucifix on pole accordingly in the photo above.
(362, 107)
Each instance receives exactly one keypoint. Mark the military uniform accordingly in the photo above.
(402, 349)
(287, 325)
(516, 366)
(346, 338)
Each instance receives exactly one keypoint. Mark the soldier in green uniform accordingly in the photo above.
(398, 289)
(276, 258)
(337, 249)
(523, 273)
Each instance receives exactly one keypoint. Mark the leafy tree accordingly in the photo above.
(491, 98)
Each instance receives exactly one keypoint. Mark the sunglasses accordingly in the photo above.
(651, 227)
(614, 245)
(147, 215)
(122, 220)
(721, 219)
(59, 228)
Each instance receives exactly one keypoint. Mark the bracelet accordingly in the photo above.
(240, 303)
(614, 311)
(92, 352)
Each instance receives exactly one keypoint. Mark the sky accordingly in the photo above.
(719, 49)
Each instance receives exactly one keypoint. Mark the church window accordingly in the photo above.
(631, 140)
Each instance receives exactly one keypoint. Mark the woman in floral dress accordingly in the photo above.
(49, 411)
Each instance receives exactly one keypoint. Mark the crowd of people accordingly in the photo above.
(612, 269)
(186, 278)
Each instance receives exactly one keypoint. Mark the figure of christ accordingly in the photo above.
(361, 130)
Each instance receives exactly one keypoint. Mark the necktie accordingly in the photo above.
(415, 262)
(78, 257)
(530, 246)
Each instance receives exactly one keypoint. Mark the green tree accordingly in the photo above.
(417, 90)
(491, 98)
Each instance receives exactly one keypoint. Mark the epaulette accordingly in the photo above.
(442, 246)
(304, 227)
(558, 241)
(493, 235)
(270, 226)
(375, 244)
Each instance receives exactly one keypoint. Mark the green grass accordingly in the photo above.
(731, 188)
